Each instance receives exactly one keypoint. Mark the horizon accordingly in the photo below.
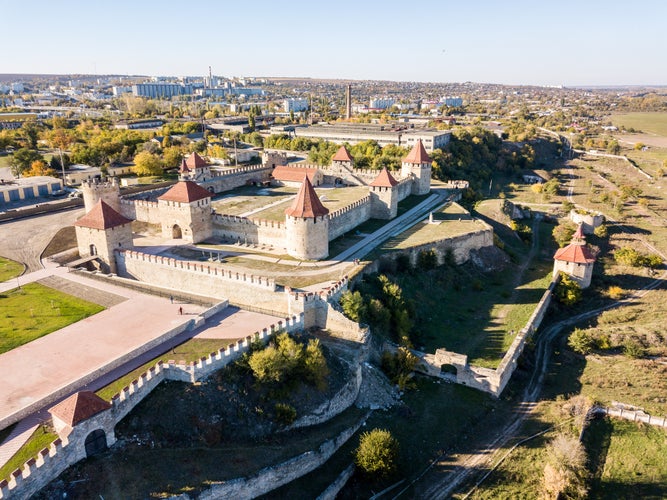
(517, 43)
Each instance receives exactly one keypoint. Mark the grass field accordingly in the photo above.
(654, 123)
(191, 350)
(10, 269)
(34, 310)
(41, 438)
(630, 460)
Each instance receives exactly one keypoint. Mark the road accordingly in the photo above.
(24, 240)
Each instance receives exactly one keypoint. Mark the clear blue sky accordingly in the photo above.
(593, 42)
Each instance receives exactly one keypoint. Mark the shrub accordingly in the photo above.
(377, 453)
(633, 349)
(285, 414)
(581, 341)
(568, 291)
(562, 233)
(353, 306)
(399, 366)
(601, 231)
(565, 469)
(427, 260)
(615, 292)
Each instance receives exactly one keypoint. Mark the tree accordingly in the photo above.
(315, 365)
(353, 305)
(37, 168)
(172, 157)
(562, 233)
(377, 453)
(568, 291)
(613, 147)
(146, 163)
(581, 341)
(565, 469)
(22, 160)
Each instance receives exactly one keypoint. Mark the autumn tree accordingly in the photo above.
(565, 469)
(377, 453)
(22, 160)
(146, 163)
(38, 168)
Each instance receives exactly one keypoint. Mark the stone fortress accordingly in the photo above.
(184, 211)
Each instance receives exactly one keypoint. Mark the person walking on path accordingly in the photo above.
(180, 310)
(171, 298)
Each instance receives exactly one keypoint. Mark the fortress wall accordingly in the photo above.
(245, 230)
(236, 177)
(347, 218)
(200, 278)
(403, 189)
(145, 211)
(275, 476)
(62, 453)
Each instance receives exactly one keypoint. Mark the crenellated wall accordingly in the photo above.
(70, 447)
(141, 210)
(201, 278)
(254, 231)
(347, 218)
(236, 177)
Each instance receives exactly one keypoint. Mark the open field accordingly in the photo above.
(630, 459)
(34, 310)
(9, 269)
(652, 123)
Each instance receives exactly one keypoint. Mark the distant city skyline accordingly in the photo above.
(514, 42)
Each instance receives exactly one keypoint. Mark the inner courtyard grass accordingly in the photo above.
(9, 269)
(33, 310)
(40, 439)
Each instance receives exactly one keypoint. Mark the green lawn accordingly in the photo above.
(41, 438)
(630, 460)
(190, 350)
(655, 123)
(9, 269)
(34, 310)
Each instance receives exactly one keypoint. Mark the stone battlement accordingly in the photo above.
(139, 203)
(52, 461)
(363, 201)
(109, 183)
(196, 267)
(238, 170)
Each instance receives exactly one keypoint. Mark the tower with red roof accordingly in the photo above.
(576, 259)
(384, 198)
(185, 212)
(101, 231)
(194, 168)
(417, 164)
(307, 225)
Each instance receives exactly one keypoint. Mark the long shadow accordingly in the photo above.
(596, 440)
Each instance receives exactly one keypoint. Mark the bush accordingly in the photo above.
(285, 414)
(633, 349)
(427, 260)
(562, 233)
(377, 453)
(601, 231)
(353, 306)
(615, 292)
(568, 291)
(581, 341)
(399, 366)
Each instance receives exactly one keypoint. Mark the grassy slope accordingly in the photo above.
(10, 269)
(41, 438)
(34, 310)
(655, 123)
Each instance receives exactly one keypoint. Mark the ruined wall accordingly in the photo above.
(347, 218)
(202, 278)
(273, 477)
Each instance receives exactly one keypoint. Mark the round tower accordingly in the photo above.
(107, 191)
(307, 225)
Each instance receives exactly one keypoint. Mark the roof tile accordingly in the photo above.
(384, 179)
(185, 192)
(102, 216)
(418, 154)
(79, 407)
(342, 155)
(293, 174)
(307, 203)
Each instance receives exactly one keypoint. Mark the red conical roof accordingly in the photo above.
(79, 407)
(184, 167)
(418, 154)
(185, 192)
(195, 161)
(102, 216)
(579, 254)
(307, 203)
(579, 234)
(342, 155)
(384, 179)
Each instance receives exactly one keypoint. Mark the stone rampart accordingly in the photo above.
(331, 493)
(68, 450)
(403, 189)
(486, 379)
(249, 231)
(273, 477)
(332, 407)
(236, 177)
(200, 278)
(141, 210)
(347, 218)
(633, 415)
